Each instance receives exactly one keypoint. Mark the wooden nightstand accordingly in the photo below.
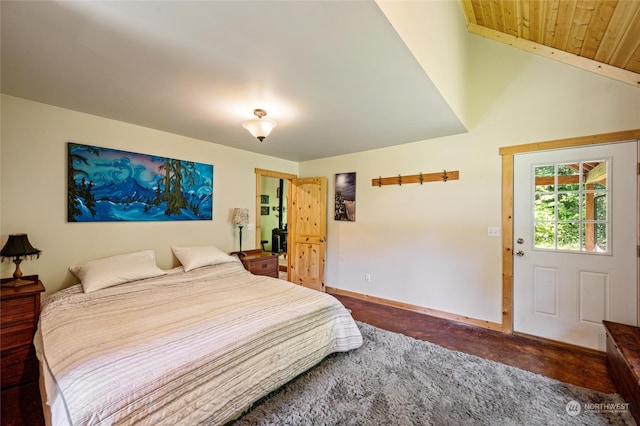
(19, 312)
(260, 262)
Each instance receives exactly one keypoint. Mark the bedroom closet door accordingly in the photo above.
(575, 244)
(307, 231)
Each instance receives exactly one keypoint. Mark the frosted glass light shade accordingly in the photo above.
(259, 127)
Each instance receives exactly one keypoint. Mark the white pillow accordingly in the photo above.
(197, 257)
(102, 273)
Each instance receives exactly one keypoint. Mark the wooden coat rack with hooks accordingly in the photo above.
(421, 178)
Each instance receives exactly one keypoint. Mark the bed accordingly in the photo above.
(192, 345)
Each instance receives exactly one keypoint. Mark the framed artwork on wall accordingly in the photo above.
(345, 203)
(264, 211)
(264, 199)
(110, 185)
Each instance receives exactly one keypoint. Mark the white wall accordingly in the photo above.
(33, 178)
(428, 245)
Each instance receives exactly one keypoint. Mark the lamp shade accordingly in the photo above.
(240, 216)
(259, 127)
(18, 245)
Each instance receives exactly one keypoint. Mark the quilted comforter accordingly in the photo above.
(185, 348)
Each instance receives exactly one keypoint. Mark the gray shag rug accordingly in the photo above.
(397, 380)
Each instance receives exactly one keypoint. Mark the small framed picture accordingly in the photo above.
(264, 199)
(345, 208)
(264, 211)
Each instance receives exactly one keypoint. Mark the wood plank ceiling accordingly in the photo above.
(601, 36)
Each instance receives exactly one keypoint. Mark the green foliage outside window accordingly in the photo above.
(560, 211)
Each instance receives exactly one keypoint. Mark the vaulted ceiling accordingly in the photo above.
(602, 36)
(335, 75)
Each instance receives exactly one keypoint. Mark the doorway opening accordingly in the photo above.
(272, 213)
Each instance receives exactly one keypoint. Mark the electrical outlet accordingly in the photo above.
(367, 278)
(493, 231)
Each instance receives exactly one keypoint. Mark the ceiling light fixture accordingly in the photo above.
(259, 127)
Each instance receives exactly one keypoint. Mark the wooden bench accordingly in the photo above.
(623, 362)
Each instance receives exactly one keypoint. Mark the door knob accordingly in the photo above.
(520, 253)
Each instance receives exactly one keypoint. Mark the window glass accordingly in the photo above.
(545, 178)
(545, 206)
(571, 206)
(594, 237)
(568, 236)
(545, 235)
(568, 177)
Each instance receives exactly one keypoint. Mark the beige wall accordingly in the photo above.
(445, 63)
(428, 245)
(33, 192)
(424, 245)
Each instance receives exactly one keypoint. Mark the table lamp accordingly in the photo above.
(18, 248)
(240, 218)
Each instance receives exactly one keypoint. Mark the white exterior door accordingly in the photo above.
(575, 250)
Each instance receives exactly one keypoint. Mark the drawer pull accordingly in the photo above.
(264, 265)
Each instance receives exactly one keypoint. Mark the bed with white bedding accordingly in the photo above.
(195, 347)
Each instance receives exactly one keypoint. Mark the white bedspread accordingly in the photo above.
(185, 348)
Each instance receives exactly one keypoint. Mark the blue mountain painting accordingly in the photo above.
(106, 185)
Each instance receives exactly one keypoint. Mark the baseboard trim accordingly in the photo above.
(414, 308)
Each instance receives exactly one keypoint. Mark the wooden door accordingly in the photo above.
(575, 242)
(307, 231)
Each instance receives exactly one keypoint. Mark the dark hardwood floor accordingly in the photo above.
(21, 405)
(584, 368)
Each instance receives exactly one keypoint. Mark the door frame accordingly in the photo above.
(507, 154)
(278, 175)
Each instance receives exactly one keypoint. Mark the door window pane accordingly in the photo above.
(545, 206)
(594, 237)
(568, 177)
(571, 206)
(545, 235)
(568, 236)
(545, 178)
(595, 206)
